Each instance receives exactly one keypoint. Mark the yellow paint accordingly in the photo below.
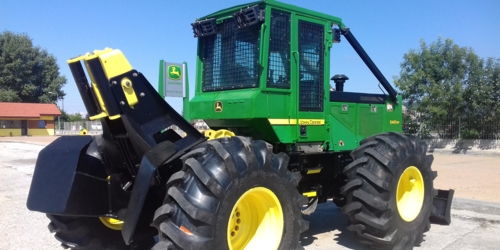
(283, 121)
(104, 112)
(129, 92)
(311, 122)
(84, 132)
(214, 134)
(393, 122)
(40, 131)
(112, 223)
(410, 193)
(114, 117)
(314, 171)
(89, 56)
(256, 221)
(44, 117)
(310, 194)
(279, 121)
(7, 131)
(301, 122)
(114, 63)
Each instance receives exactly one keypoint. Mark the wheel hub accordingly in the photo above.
(410, 193)
(256, 221)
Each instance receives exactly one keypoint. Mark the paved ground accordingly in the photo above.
(476, 224)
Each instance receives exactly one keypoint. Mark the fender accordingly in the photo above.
(159, 155)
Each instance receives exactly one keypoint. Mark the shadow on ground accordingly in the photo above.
(328, 224)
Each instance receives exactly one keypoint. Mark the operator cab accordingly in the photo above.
(264, 65)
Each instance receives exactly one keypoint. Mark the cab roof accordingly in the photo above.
(276, 4)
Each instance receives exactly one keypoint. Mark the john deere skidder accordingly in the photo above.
(263, 74)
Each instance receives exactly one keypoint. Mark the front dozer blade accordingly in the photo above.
(442, 204)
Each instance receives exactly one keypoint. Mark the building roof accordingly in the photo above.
(27, 110)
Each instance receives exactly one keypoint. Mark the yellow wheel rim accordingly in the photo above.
(112, 223)
(410, 193)
(256, 221)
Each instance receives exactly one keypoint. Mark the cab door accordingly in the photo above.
(309, 57)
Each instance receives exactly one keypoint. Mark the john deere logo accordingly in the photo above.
(218, 106)
(174, 72)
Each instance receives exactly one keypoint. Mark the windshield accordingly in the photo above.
(230, 59)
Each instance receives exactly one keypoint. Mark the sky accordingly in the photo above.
(148, 31)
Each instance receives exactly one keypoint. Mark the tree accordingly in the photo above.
(445, 81)
(76, 117)
(433, 77)
(27, 72)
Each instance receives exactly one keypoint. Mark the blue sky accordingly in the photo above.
(147, 31)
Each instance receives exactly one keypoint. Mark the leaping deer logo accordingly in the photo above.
(174, 72)
(218, 106)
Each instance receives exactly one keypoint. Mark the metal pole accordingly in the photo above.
(459, 127)
(58, 117)
(369, 63)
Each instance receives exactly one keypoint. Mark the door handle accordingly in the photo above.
(295, 55)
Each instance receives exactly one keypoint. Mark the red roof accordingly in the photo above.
(27, 110)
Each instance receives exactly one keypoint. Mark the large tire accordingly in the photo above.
(372, 191)
(201, 198)
(90, 233)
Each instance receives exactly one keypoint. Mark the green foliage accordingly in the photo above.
(27, 73)
(65, 117)
(445, 81)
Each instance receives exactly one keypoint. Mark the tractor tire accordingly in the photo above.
(91, 233)
(389, 192)
(232, 193)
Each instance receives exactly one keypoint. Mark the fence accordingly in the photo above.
(73, 128)
(95, 127)
(471, 127)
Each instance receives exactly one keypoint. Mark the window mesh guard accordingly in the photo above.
(311, 51)
(231, 58)
(279, 51)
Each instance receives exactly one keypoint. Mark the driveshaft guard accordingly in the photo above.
(58, 187)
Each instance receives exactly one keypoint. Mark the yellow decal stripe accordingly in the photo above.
(301, 122)
(279, 121)
(310, 194)
(311, 122)
(314, 171)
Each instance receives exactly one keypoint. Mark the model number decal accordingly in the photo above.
(393, 122)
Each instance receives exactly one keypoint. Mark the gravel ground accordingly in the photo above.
(475, 225)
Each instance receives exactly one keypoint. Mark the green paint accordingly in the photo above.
(256, 111)
(185, 100)
(161, 84)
